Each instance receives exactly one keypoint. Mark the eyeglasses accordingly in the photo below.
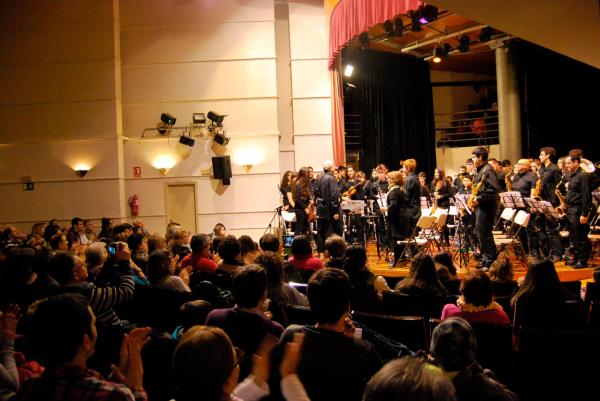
(239, 355)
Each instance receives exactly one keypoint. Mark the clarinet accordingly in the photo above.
(385, 224)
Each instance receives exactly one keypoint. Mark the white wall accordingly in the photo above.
(311, 85)
(58, 104)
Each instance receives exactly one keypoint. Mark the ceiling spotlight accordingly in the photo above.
(464, 41)
(388, 27)
(446, 50)
(221, 139)
(486, 34)
(427, 14)
(348, 70)
(166, 121)
(216, 118)
(198, 118)
(437, 54)
(363, 38)
(398, 27)
(184, 147)
(187, 141)
(415, 25)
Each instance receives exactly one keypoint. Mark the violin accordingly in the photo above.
(352, 190)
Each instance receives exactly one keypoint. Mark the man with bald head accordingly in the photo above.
(329, 209)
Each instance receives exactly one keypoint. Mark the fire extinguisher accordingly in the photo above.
(134, 204)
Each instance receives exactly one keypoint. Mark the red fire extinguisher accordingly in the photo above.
(134, 204)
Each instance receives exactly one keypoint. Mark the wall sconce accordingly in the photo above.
(163, 164)
(247, 157)
(81, 170)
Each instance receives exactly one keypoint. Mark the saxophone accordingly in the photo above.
(476, 189)
(508, 180)
(537, 192)
(560, 210)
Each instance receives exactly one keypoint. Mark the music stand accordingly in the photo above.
(543, 208)
(465, 238)
(512, 199)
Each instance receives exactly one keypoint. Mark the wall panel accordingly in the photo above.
(309, 36)
(310, 78)
(313, 150)
(54, 11)
(312, 116)
(154, 44)
(199, 81)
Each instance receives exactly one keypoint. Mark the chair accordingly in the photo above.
(574, 287)
(365, 300)
(505, 221)
(296, 314)
(512, 240)
(407, 305)
(408, 330)
(418, 241)
(592, 292)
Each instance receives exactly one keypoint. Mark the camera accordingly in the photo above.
(287, 241)
(112, 248)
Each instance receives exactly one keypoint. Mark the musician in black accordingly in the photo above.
(523, 182)
(329, 209)
(397, 218)
(343, 183)
(379, 188)
(424, 189)
(457, 183)
(412, 188)
(486, 203)
(301, 195)
(579, 204)
(550, 176)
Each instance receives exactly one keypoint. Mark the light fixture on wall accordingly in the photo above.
(437, 54)
(163, 164)
(185, 145)
(81, 170)
(216, 128)
(247, 157)
(348, 70)
(166, 121)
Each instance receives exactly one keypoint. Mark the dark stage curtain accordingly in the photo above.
(560, 102)
(397, 110)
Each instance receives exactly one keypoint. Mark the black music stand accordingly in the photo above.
(465, 237)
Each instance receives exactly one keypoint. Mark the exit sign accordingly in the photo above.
(28, 186)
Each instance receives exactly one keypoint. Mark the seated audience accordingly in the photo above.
(106, 230)
(335, 249)
(9, 375)
(422, 280)
(444, 260)
(206, 366)
(502, 276)
(270, 242)
(16, 276)
(278, 290)
(63, 334)
(248, 250)
(229, 251)
(219, 231)
(180, 243)
(160, 272)
(361, 277)
(409, 378)
(95, 257)
(58, 242)
(454, 348)
(335, 365)
(156, 241)
(138, 244)
(199, 260)
(475, 304)
(302, 258)
(246, 323)
(71, 274)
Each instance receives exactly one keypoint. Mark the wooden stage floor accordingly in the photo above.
(565, 273)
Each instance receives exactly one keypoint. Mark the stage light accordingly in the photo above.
(398, 27)
(363, 38)
(446, 50)
(415, 25)
(486, 34)
(348, 70)
(198, 118)
(427, 14)
(464, 41)
(221, 139)
(388, 27)
(166, 121)
(437, 54)
(216, 117)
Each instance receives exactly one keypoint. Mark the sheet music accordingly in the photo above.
(512, 199)
(461, 202)
(353, 206)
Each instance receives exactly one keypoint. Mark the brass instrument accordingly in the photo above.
(537, 191)
(508, 180)
(476, 189)
(560, 210)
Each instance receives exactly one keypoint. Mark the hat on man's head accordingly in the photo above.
(453, 344)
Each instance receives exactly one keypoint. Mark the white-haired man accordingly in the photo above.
(328, 205)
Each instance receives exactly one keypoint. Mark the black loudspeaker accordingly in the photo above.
(222, 169)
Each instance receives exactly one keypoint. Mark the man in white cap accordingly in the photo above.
(328, 205)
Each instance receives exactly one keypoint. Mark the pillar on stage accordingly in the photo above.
(509, 103)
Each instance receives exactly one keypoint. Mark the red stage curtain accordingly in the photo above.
(351, 17)
(337, 115)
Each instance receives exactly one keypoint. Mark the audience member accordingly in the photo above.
(270, 242)
(63, 334)
(445, 259)
(138, 244)
(409, 378)
(361, 277)
(156, 242)
(248, 249)
(454, 348)
(335, 248)
(246, 323)
(219, 230)
(58, 242)
(475, 304)
(206, 366)
(160, 272)
(302, 258)
(199, 260)
(95, 257)
(335, 365)
(229, 251)
(278, 290)
(422, 280)
(9, 375)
